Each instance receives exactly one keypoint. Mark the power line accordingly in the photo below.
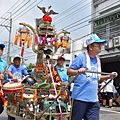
(72, 14)
(88, 16)
(24, 10)
(97, 11)
(28, 10)
(87, 24)
(80, 27)
(10, 8)
(76, 39)
(18, 10)
(17, 18)
(19, 7)
(68, 10)
(37, 3)
(113, 26)
(11, 11)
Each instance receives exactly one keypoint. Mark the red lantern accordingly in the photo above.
(47, 18)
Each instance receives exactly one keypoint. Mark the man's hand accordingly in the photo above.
(1, 76)
(15, 79)
(113, 75)
(82, 70)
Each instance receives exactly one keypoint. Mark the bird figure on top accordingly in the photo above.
(43, 9)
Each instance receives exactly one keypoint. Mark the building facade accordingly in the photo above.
(106, 24)
(76, 48)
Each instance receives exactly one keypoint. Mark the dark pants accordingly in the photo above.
(86, 110)
(109, 95)
(1, 106)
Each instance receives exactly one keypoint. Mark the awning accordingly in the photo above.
(110, 57)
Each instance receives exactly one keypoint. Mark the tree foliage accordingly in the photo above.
(30, 66)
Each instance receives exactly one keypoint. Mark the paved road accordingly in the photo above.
(3, 116)
(110, 114)
(105, 114)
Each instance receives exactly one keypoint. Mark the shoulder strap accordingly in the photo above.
(56, 75)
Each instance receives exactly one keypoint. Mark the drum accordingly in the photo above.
(12, 87)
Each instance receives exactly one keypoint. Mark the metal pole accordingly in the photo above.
(9, 42)
(102, 73)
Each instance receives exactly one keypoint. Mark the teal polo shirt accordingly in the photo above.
(63, 73)
(3, 67)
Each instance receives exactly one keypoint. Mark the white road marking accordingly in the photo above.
(109, 110)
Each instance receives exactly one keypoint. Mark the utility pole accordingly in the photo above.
(8, 54)
(9, 28)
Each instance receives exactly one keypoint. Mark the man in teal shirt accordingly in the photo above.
(17, 70)
(61, 69)
(3, 67)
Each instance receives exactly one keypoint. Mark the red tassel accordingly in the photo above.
(3, 99)
(22, 52)
(61, 56)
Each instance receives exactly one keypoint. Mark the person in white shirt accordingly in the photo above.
(103, 93)
(109, 91)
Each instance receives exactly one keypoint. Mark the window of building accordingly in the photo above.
(115, 28)
(67, 65)
(101, 31)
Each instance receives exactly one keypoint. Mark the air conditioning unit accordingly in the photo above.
(116, 41)
(106, 45)
(109, 44)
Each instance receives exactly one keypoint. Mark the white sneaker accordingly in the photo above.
(110, 107)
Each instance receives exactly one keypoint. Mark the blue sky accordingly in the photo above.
(60, 21)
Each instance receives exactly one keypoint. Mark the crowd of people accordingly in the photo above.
(16, 71)
(85, 103)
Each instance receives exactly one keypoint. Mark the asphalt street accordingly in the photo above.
(105, 114)
(110, 114)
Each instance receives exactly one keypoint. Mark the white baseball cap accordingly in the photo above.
(94, 38)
